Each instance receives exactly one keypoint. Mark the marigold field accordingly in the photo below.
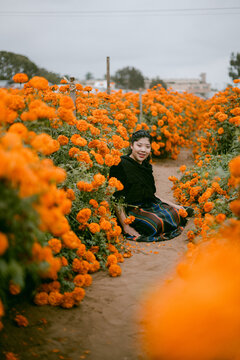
(56, 210)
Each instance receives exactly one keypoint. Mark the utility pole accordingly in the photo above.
(108, 75)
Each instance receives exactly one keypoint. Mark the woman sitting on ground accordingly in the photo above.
(155, 220)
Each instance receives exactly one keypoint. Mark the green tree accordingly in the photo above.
(234, 69)
(157, 81)
(11, 63)
(128, 78)
(89, 76)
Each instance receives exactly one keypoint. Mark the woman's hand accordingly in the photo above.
(130, 231)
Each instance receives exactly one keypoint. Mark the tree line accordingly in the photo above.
(128, 78)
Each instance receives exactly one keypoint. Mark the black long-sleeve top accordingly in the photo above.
(137, 179)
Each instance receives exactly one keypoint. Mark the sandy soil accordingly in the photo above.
(105, 325)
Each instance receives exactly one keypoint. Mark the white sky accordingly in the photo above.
(168, 44)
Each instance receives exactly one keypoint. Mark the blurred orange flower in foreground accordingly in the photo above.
(196, 314)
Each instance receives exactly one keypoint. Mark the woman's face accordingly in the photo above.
(140, 149)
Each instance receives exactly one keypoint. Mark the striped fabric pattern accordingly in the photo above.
(157, 221)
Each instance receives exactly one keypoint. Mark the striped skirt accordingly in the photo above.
(156, 221)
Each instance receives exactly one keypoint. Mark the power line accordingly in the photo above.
(143, 12)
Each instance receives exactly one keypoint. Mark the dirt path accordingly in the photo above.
(104, 326)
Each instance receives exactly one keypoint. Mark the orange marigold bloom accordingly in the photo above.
(39, 83)
(114, 182)
(182, 212)
(234, 166)
(64, 261)
(11, 356)
(41, 298)
(208, 206)
(94, 203)
(235, 207)
(45, 144)
(87, 280)
(63, 140)
(99, 180)
(87, 88)
(81, 250)
(83, 215)
(94, 228)
(3, 243)
(190, 235)
(79, 280)
(68, 301)
(70, 194)
(21, 320)
(102, 211)
(220, 131)
(78, 294)
(55, 245)
(14, 289)
(78, 140)
(20, 78)
(71, 240)
(89, 256)
(129, 219)
(1, 309)
(105, 225)
(55, 298)
(67, 102)
(220, 218)
(82, 125)
(66, 115)
(183, 168)
(114, 270)
(95, 266)
(111, 259)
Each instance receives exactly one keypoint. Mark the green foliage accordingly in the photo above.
(234, 69)
(11, 63)
(156, 81)
(129, 78)
(20, 223)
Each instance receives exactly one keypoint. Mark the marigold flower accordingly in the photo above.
(21, 321)
(55, 245)
(64, 261)
(220, 131)
(63, 140)
(79, 280)
(78, 294)
(82, 125)
(94, 203)
(95, 266)
(114, 182)
(182, 212)
(83, 215)
(81, 250)
(70, 194)
(67, 102)
(105, 225)
(14, 289)
(208, 206)
(183, 168)
(220, 218)
(235, 207)
(39, 83)
(87, 280)
(99, 180)
(114, 270)
(11, 356)
(68, 300)
(55, 298)
(41, 298)
(20, 78)
(78, 140)
(3, 243)
(111, 259)
(129, 219)
(94, 228)
(234, 166)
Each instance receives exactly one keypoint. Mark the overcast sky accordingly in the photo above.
(168, 39)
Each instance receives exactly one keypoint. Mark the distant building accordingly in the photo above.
(197, 87)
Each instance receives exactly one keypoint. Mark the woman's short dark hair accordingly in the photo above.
(139, 135)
